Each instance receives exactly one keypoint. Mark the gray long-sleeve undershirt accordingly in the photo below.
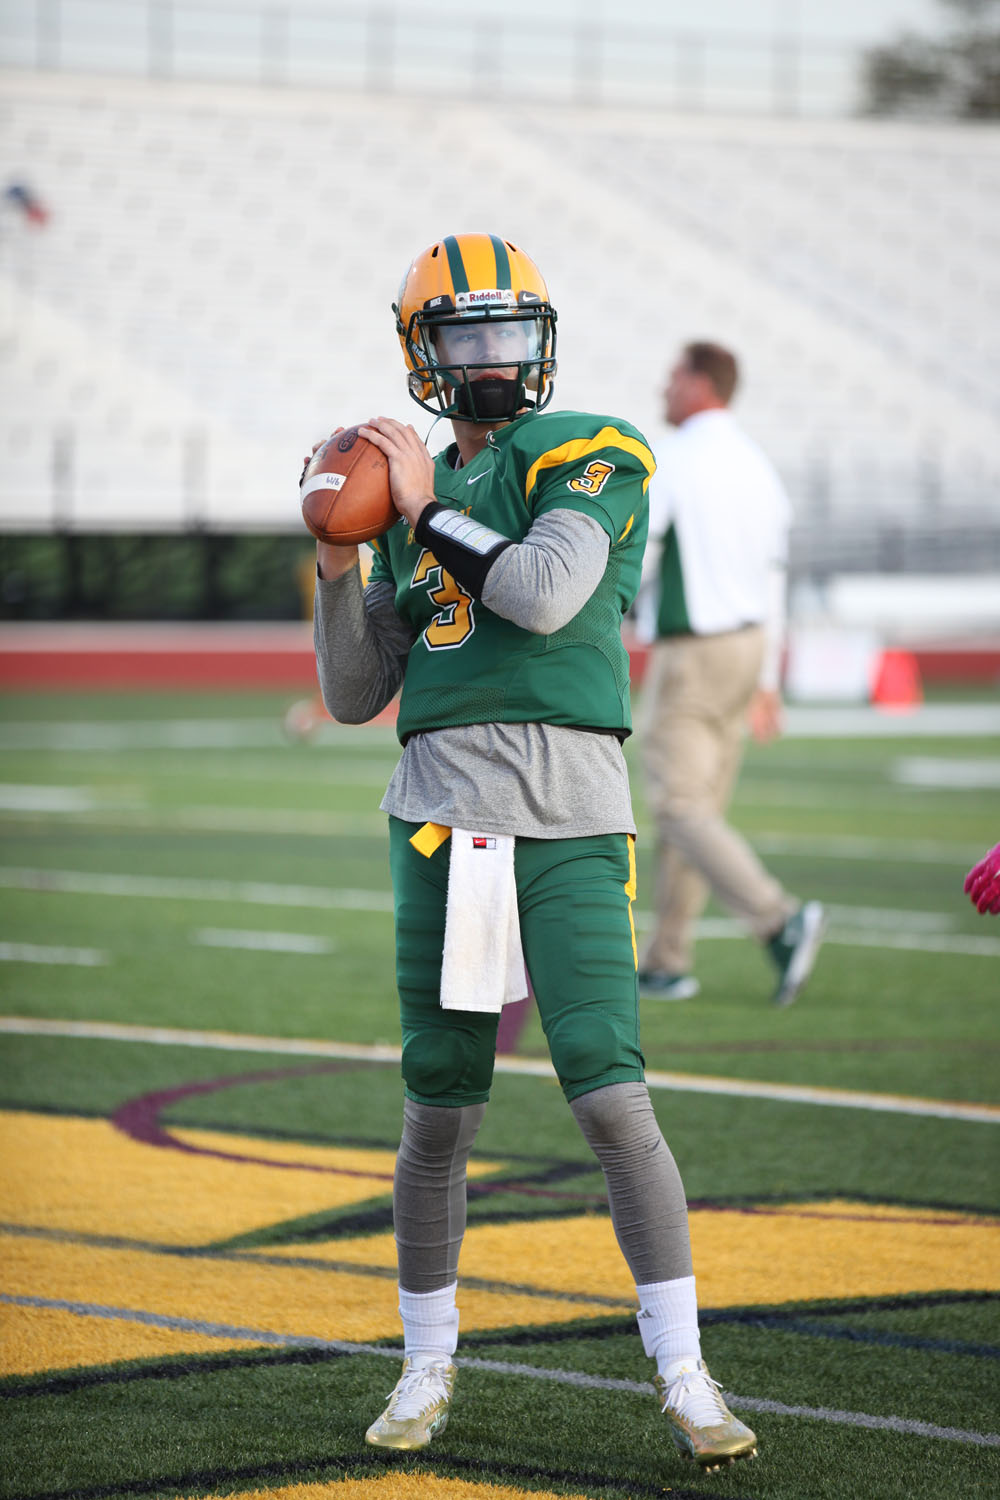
(535, 780)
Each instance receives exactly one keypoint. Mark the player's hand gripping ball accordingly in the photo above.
(983, 882)
(345, 490)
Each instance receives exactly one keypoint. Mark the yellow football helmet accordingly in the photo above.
(477, 329)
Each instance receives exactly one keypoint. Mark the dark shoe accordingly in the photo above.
(654, 984)
(794, 949)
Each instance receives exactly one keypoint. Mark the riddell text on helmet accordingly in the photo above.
(477, 299)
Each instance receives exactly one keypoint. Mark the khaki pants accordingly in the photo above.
(691, 728)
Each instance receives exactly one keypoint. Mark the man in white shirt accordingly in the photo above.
(712, 603)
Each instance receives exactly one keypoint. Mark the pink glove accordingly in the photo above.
(983, 882)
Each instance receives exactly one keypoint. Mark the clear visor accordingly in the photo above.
(500, 344)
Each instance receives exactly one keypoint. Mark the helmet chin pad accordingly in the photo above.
(491, 399)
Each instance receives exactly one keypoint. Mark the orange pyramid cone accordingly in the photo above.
(898, 686)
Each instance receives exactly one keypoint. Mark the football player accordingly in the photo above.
(496, 604)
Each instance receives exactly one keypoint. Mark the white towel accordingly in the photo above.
(483, 968)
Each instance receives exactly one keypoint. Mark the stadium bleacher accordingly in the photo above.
(211, 292)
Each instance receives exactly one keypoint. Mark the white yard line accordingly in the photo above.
(854, 846)
(802, 722)
(690, 1083)
(124, 813)
(264, 942)
(896, 919)
(851, 927)
(868, 933)
(912, 942)
(182, 888)
(946, 772)
(579, 1378)
(933, 720)
(326, 770)
(45, 798)
(178, 734)
(306, 822)
(36, 953)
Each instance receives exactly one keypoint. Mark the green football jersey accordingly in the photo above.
(470, 666)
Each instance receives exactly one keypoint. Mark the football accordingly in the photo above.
(345, 490)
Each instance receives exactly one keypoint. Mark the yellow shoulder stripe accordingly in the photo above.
(608, 437)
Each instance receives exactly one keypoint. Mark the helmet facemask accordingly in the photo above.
(479, 359)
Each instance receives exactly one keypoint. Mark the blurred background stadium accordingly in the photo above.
(207, 208)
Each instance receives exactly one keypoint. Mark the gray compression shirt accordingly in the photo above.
(533, 780)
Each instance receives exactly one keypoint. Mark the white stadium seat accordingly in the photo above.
(212, 291)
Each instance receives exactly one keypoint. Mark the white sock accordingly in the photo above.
(430, 1321)
(668, 1321)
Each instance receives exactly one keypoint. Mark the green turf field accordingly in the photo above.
(200, 1105)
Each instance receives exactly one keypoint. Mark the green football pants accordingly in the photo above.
(575, 907)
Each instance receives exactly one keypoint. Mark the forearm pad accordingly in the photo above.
(465, 548)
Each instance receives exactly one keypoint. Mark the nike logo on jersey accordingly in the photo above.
(476, 477)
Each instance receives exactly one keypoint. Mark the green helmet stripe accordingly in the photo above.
(456, 265)
(503, 263)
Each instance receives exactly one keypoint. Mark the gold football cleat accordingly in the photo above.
(701, 1424)
(418, 1405)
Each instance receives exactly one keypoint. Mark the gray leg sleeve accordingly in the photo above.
(648, 1207)
(428, 1198)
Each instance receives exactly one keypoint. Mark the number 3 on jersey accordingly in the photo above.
(454, 621)
(593, 479)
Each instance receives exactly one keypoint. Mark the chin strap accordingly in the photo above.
(489, 400)
(439, 418)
